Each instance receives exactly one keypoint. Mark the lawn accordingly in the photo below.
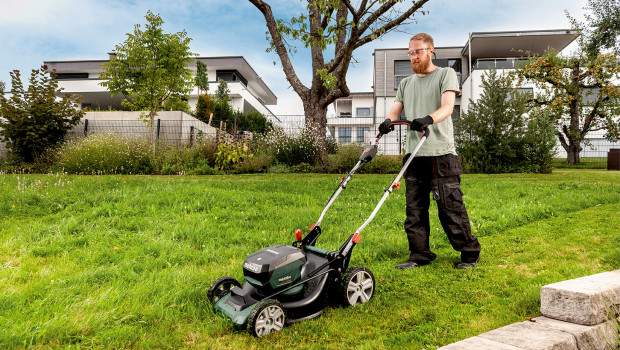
(126, 261)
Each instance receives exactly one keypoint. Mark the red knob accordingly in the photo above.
(298, 234)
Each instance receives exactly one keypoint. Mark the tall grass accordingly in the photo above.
(126, 261)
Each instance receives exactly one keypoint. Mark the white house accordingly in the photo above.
(247, 90)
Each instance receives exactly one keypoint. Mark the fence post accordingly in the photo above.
(191, 135)
(158, 127)
(85, 127)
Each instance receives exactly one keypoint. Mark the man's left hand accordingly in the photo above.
(421, 123)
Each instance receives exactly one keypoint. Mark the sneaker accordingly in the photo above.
(466, 265)
(407, 265)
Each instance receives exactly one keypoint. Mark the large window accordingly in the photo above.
(360, 133)
(230, 76)
(402, 69)
(344, 134)
(363, 112)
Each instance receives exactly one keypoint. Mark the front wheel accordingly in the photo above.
(266, 317)
(358, 286)
(221, 287)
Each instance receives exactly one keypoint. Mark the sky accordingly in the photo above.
(34, 31)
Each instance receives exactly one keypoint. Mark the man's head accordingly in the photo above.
(421, 48)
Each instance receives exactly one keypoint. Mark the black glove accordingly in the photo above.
(421, 123)
(385, 127)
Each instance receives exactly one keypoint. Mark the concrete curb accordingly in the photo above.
(576, 316)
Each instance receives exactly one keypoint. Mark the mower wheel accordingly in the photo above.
(221, 287)
(358, 286)
(266, 317)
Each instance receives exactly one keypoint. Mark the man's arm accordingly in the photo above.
(396, 110)
(447, 107)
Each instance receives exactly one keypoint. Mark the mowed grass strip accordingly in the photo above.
(126, 261)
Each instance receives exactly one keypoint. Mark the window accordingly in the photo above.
(71, 76)
(344, 134)
(402, 69)
(230, 76)
(363, 112)
(360, 133)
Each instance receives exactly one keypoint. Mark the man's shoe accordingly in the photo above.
(407, 265)
(466, 265)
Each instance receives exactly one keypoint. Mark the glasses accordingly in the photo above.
(417, 52)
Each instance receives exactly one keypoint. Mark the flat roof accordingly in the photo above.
(517, 43)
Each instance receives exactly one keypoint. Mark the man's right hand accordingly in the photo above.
(385, 127)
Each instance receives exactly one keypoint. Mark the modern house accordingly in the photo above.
(247, 90)
(483, 50)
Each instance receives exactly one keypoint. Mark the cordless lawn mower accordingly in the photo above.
(290, 283)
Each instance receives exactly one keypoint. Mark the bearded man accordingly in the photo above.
(427, 98)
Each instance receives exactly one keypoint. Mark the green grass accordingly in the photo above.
(126, 261)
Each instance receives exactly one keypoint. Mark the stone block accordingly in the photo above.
(601, 336)
(530, 336)
(586, 301)
(478, 343)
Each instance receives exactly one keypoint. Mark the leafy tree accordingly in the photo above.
(341, 27)
(253, 121)
(203, 107)
(496, 135)
(151, 69)
(220, 104)
(202, 78)
(34, 120)
(579, 92)
(601, 31)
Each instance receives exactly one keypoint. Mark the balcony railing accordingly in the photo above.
(498, 63)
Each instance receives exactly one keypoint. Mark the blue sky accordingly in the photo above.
(34, 31)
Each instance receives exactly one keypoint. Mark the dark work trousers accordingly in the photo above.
(439, 176)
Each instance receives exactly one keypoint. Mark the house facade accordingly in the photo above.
(482, 51)
(247, 90)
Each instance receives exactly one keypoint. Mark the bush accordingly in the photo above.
(174, 159)
(292, 149)
(497, 136)
(107, 154)
(345, 158)
(383, 164)
(35, 120)
(256, 164)
(280, 169)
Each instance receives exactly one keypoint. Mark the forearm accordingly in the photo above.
(448, 99)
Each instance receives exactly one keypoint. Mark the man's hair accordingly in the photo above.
(425, 38)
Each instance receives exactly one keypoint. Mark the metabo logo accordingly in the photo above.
(284, 279)
(252, 267)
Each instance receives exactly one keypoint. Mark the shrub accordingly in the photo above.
(292, 149)
(280, 169)
(496, 135)
(35, 120)
(257, 164)
(231, 154)
(107, 154)
(178, 159)
(345, 159)
(383, 164)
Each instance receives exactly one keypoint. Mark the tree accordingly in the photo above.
(496, 134)
(220, 105)
(579, 92)
(151, 69)
(253, 121)
(334, 24)
(202, 78)
(601, 31)
(35, 120)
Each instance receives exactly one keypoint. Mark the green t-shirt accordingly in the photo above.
(420, 97)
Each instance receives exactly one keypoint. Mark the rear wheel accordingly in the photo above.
(221, 287)
(266, 317)
(358, 286)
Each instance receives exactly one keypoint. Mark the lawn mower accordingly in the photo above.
(290, 283)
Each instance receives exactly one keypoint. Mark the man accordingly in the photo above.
(427, 98)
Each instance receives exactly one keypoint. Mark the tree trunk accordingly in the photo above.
(316, 123)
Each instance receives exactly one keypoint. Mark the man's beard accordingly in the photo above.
(422, 67)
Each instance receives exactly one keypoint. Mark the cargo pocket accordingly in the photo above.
(453, 198)
(449, 165)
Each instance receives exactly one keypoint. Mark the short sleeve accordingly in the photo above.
(450, 81)
(399, 92)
